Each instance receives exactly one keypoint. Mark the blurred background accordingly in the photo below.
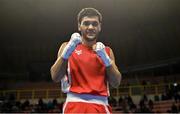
(144, 35)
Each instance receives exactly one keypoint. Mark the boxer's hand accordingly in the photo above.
(100, 50)
(70, 47)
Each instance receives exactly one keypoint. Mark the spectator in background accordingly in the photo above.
(177, 96)
(144, 107)
(55, 102)
(41, 106)
(133, 109)
(50, 105)
(125, 105)
(130, 101)
(120, 100)
(151, 104)
(60, 106)
(156, 98)
(145, 98)
(174, 108)
(164, 96)
(112, 101)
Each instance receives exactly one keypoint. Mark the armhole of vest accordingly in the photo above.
(108, 50)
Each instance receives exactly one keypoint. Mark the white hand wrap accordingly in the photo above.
(100, 50)
(70, 47)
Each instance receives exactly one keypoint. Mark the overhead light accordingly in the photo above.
(175, 84)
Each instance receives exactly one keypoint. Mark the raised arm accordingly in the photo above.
(58, 69)
(113, 74)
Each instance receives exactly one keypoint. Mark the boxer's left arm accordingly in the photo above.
(113, 74)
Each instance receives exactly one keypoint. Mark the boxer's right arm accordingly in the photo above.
(58, 70)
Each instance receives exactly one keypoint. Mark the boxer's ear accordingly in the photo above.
(99, 27)
(79, 27)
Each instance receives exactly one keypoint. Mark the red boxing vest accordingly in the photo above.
(86, 73)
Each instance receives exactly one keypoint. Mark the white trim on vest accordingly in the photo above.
(66, 81)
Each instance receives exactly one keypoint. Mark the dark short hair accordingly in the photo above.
(89, 12)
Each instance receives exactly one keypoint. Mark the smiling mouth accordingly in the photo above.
(91, 33)
(91, 37)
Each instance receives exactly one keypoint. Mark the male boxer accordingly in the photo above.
(85, 67)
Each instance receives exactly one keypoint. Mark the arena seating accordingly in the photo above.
(164, 106)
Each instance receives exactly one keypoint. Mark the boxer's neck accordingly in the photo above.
(89, 43)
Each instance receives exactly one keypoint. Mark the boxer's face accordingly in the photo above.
(90, 28)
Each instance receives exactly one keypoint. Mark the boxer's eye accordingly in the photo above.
(88, 23)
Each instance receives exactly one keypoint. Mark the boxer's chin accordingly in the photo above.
(91, 37)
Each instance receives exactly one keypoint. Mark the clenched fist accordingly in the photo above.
(101, 52)
(70, 47)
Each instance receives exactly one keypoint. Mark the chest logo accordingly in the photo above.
(78, 52)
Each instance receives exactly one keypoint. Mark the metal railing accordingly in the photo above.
(56, 93)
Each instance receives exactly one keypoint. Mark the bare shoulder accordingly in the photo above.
(111, 54)
(63, 44)
(61, 48)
